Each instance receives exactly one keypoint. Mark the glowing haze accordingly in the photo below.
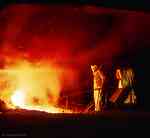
(45, 50)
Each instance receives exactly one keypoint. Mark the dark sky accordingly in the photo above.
(75, 37)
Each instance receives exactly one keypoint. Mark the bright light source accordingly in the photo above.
(18, 98)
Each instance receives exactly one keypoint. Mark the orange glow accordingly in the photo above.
(27, 83)
(118, 74)
(119, 77)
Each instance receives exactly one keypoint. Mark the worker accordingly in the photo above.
(98, 85)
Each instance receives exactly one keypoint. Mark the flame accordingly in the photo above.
(29, 87)
(18, 98)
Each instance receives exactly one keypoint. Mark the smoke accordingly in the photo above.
(70, 37)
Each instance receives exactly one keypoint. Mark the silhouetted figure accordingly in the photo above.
(125, 89)
(98, 85)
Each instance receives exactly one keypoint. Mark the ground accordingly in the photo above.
(40, 124)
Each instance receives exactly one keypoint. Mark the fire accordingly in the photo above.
(32, 87)
(18, 98)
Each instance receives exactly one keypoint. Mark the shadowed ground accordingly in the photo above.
(40, 124)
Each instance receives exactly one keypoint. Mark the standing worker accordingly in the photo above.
(129, 76)
(98, 85)
(125, 79)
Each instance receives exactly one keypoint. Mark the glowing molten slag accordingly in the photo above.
(18, 98)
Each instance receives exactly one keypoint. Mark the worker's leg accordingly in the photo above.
(100, 100)
(96, 99)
